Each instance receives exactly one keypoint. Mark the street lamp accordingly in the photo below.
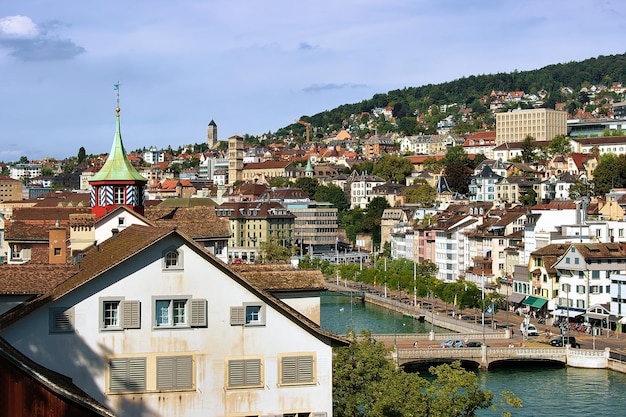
(414, 284)
(483, 303)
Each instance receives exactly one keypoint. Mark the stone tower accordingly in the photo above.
(211, 135)
(235, 159)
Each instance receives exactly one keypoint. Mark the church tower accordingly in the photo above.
(118, 182)
(211, 135)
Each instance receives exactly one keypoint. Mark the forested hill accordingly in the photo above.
(468, 91)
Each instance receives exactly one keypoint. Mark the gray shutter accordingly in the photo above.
(319, 414)
(127, 374)
(237, 316)
(253, 372)
(289, 370)
(198, 313)
(236, 373)
(131, 318)
(297, 369)
(165, 372)
(174, 372)
(184, 372)
(305, 369)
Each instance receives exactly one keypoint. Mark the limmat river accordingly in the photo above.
(544, 390)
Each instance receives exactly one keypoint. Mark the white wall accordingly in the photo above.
(83, 355)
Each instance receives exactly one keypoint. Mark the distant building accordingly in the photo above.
(20, 171)
(541, 124)
(10, 189)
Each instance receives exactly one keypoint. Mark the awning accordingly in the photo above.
(565, 313)
(596, 316)
(516, 297)
(535, 301)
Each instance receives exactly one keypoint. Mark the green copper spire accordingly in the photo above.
(117, 167)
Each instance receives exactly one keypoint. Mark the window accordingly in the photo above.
(118, 195)
(117, 314)
(174, 372)
(121, 221)
(179, 312)
(172, 260)
(244, 373)
(297, 370)
(57, 251)
(61, 320)
(250, 314)
(127, 374)
(595, 274)
(577, 261)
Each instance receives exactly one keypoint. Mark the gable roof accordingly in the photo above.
(52, 381)
(129, 243)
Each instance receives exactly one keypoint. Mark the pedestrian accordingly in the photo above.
(415, 344)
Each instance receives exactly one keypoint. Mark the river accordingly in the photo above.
(544, 391)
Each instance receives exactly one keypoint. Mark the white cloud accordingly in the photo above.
(28, 41)
(18, 27)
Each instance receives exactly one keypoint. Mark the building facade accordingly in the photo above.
(541, 124)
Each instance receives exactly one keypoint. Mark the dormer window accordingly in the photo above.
(173, 260)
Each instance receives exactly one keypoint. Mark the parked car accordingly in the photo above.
(558, 341)
(530, 329)
(473, 344)
(452, 343)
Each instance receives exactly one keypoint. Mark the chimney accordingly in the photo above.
(114, 232)
(57, 245)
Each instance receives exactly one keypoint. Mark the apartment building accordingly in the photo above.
(10, 189)
(541, 124)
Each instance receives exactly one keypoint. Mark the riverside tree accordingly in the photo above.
(367, 383)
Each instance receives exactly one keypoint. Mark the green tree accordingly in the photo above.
(580, 188)
(528, 149)
(610, 173)
(307, 184)
(273, 252)
(457, 174)
(366, 383)
(47, 172)
(560, 145)
(422, 194)
(279, 182)
(23, 160)
(82, 155)
(457, 154)
(332, 194)
(393, 168)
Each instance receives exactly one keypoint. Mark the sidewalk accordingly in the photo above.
(502, 319)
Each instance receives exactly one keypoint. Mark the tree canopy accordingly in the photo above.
(393, 168)
(366, 383)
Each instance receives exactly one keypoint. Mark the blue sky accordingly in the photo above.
(255, 66)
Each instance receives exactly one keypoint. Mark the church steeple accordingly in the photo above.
(118, 182)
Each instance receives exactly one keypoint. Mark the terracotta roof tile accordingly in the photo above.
(33, 278)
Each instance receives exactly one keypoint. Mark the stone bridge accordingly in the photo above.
(485, 356)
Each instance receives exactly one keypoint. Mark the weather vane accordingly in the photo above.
(116, 87)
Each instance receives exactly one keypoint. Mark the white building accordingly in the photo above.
(585, 271)
(153, 156)
(20, 171)
(151, 324)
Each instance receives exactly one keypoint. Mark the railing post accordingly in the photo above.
(483, 357)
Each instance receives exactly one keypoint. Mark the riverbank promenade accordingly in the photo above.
(500, 330)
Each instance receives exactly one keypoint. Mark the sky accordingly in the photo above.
(256, 66)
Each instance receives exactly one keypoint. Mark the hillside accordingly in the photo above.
(473, 92)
